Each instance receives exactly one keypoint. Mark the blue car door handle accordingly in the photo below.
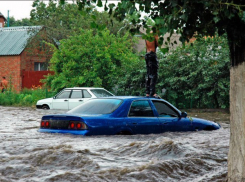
(134, 123)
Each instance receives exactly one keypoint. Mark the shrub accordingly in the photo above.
(196, 75)
(27, 97)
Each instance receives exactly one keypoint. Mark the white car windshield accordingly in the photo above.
(97, 106)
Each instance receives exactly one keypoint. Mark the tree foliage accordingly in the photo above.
(63, 20)
(198, 74)
(195, 75)
(22, 22)
(91, 59)
(188, 18)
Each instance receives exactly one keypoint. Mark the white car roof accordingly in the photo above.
(84, 88)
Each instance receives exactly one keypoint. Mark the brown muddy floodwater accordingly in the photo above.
(29, 156)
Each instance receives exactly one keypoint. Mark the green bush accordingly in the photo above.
(26, 98)
(194, 76)
(91, 59)
(197, 75)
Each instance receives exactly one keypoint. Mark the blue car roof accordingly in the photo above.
(132, 97)
(138, 98)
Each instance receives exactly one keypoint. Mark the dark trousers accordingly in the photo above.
(151, 77)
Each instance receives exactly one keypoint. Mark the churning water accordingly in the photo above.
(29, 156)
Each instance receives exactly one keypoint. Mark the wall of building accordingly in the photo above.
(2, 19)
(10, 68)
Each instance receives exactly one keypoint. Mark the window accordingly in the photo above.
(76, 94)
(141, 108)
(64, 95)
(40, 66)
(86, 94)
(100, 93)
(97, 106)
(164, 110)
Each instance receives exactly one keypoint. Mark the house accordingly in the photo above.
(20, 62)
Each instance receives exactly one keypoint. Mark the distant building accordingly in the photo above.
(23, 66)
(2, 20)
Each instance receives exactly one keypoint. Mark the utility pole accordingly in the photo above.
(8, 18)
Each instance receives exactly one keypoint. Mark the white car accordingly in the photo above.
(69, 98)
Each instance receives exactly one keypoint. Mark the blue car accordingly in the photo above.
(123, 115)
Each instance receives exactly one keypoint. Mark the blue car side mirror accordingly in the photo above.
(183, 115)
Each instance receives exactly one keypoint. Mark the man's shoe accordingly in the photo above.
(157, 96)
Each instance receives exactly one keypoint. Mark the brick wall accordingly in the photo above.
(10, 68)
(1, 22)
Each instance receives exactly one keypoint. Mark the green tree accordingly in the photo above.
(59, 21)
(62, 20)
(91, 59)
(197, 74)
(204, 18)
(22, 22)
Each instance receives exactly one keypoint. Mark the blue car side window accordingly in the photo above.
(141, 108)
(164, 110)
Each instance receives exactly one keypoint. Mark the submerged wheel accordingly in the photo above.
(124, 133)
(209, 128)
(45, 107)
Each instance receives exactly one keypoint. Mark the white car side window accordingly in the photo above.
(76, 94)
(64, 95)
(86, 94)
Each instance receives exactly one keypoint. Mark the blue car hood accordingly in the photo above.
(204, 121)
(201, 120)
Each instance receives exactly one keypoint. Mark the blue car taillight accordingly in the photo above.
(45, 124)
(77, 125)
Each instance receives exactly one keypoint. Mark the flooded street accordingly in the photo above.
(29, 156)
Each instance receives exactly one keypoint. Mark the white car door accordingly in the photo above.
(78, 97)
(75, 99)
(61, 101)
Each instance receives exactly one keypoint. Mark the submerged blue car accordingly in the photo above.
(123, 115)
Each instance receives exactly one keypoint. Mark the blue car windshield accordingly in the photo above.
(97, 106)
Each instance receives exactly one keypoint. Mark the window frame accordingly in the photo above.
(39, 66)
(166, 103)
(82, 90)
(141, 116)
(56, 97)
(72, 90)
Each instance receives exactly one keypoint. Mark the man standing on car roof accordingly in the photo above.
(151, 66)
